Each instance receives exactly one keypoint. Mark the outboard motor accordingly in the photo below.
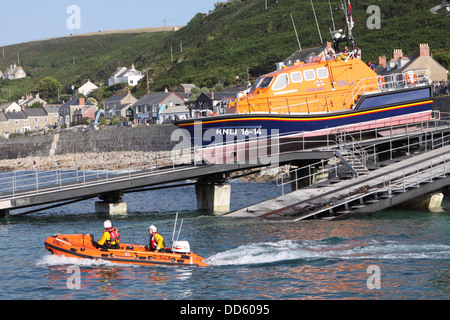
(181, 247)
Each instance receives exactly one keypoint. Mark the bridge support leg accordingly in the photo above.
(112, 204)
(4, 213)
(213, 197)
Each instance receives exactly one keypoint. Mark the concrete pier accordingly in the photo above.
(112, 203)
(117, 208)
(213, 197)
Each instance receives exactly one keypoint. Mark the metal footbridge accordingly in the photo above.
(345, 175)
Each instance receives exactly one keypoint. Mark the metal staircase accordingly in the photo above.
(352, 158)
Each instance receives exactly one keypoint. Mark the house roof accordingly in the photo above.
(35, 112)
(205, 96)
(404, 63)
(31, 100)
(175, 110)
(305, 54)
(16, 115)
(6, 105)
(155, 98)
(52, 108)
(120, 72)
(116, 98)
(76, 102)
(88, 86)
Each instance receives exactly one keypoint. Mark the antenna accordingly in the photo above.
(317, 23)
(296, 34)
(174, 227)
(181, 225)
(332, 18)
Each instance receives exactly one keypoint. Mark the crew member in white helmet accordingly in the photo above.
(156, 240)
(110, 238)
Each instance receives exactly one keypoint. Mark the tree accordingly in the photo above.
(115, 121)
(48, 88)
(85, 121)
(36, 105)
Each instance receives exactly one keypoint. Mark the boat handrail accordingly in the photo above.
(394, 81)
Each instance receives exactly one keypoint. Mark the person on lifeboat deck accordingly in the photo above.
(156, 240)
(110, 238)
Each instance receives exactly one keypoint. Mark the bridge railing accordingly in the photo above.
(324, 170)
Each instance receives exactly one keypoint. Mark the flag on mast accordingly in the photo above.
(352, 23)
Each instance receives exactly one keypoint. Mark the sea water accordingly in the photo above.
(394, 254)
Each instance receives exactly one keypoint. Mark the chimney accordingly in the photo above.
(132, 67)
(382, 60)
(398, 54)
(212, 95)
(424, 50)
(166, 90)
(81, 101)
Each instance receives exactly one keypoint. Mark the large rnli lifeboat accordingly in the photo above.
(82, 246)
(321, 91)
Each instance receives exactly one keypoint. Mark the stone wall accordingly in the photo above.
(442, 104)
(146, 138)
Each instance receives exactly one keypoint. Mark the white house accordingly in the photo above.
(130, 76)
(28, 100)
(14, 72)
(87, 88)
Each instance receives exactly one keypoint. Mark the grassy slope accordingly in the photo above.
(222, 45)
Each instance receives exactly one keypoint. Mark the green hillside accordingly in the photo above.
(237, 37)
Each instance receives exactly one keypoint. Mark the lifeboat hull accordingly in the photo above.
(83, 247)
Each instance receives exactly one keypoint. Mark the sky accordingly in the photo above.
(29, 20)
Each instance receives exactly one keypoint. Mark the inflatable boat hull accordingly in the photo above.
(83, 247)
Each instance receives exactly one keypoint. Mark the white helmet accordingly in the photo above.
(153, 228)
(107, 224)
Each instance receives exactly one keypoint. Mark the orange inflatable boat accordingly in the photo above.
(83, 246)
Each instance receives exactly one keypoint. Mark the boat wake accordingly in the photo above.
(51, 260)
(330, 248)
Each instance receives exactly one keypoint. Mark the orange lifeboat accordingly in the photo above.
(82, 246)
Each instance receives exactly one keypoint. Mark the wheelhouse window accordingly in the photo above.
(281, 82)
(322, 73)
(255, 85)
(265, 83)
(296, 77)
(310, 75)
